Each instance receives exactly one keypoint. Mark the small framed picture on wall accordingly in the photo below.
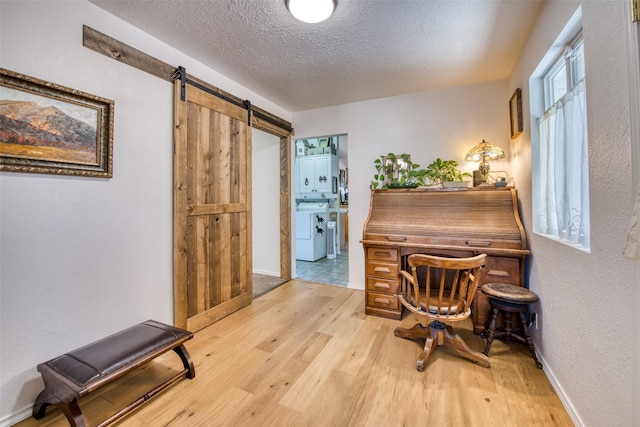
(515, 112)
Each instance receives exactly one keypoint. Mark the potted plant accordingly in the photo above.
(446, 172)
(395, 171)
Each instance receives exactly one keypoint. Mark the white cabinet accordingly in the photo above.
(317, 176)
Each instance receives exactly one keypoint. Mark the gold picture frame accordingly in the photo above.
(52, 129)
(515, 113)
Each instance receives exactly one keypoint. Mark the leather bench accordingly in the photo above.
(74, 375)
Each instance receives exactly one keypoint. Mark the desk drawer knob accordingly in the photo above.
(382, 301)
(382, 285)
(382, 270)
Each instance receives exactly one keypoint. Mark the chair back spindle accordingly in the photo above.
(439, 287)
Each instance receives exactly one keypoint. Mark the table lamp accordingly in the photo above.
(483, 153)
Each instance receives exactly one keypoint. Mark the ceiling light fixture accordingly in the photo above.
(311, 11)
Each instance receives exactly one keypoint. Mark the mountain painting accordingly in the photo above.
(52, 129)
(38, 127)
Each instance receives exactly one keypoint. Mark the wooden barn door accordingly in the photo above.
(212, 208)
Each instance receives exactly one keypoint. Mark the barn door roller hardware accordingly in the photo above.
(247, 105)
(181, 73)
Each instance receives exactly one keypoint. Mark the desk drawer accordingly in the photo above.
(382, 270)
(382, 254)
(375, 299)
(501, 269)
(386, 286)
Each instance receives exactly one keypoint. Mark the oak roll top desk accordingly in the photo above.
(455, 223)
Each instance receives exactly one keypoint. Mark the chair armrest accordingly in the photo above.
(408, 278)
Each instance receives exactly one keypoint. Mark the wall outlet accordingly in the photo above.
(533, 320)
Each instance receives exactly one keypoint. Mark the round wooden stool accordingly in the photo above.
(509, 299)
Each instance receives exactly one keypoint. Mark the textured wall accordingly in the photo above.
(586, 299)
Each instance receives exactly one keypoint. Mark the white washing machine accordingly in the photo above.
(311, 230)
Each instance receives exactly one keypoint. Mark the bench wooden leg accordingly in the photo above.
(43, 401)
(186, 361)
(56, 392)
(70, 410)
(73, 413)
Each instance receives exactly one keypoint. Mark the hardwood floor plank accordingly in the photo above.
(356, 351)
(310, 350)
(337, 392)
(305, 355)
(341, 326)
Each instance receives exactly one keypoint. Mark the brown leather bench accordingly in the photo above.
(74, 375)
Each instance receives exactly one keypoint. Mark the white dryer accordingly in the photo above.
(311, 230)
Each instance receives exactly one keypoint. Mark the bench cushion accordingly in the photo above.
(87, 364)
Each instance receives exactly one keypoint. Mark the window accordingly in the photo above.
(561, 173)
(565, 73)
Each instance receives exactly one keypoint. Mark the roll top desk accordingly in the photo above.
(455, 223)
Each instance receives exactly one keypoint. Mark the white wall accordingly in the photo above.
(443, 123)
(81, 258)
(265, 193)
(634, 110)
(586, 299)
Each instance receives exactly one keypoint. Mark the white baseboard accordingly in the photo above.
(266, 273)
(566, 402)
(16, 417)
(358, 286)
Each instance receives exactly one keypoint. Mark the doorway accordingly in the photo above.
(313, 162)
(266, 212)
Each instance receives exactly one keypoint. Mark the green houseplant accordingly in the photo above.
(441, 171)
(395, 171)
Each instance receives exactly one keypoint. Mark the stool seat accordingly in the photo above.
(509, 299)
(509, 293)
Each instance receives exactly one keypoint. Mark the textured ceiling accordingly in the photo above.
(367, 49)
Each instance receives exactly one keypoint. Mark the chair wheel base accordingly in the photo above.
(438, 334)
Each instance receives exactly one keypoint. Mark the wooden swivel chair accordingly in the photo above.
(440, 290)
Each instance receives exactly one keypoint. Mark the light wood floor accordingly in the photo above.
(305, 354)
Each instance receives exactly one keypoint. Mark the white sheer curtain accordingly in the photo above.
(563, 205)
(632, 247)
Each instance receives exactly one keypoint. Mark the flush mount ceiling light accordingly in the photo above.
(311, 11)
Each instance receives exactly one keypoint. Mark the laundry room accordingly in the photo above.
(322, 196)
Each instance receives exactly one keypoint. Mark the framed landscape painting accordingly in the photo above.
(48, 128)
(515, 113)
